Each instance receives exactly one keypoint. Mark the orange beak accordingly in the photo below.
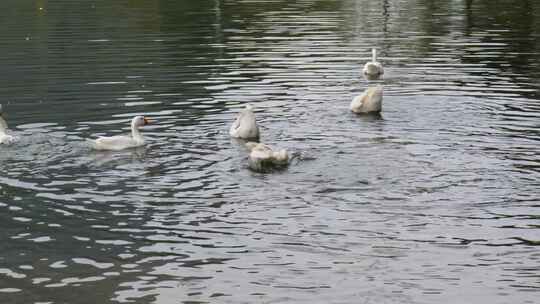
(146, 121)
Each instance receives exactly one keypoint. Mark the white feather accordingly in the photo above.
(245, 125)
(121, 142)
(4, 137)
(373, 69)
(262, 156)
(370, 101)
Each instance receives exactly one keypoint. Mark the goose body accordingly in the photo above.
(263, 157)
(370, 101)
(245, 126)
(121, 142)
(373, 69)
(4, 137)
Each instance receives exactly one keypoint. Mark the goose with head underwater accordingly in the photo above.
(121, 142)
(4, 137)
(245, 125)
(370, 101)
(262, 157)
(373, 69)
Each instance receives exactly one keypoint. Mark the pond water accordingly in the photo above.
(435, 201)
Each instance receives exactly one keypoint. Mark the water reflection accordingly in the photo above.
(435, 199)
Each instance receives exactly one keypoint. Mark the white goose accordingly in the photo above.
(368, 102)
(245, 126)
(120, 142)
(4, 138)
(373, 69)
(262, 157)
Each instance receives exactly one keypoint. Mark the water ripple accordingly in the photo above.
(433, 199)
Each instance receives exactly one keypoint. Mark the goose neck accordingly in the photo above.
(3, 125)
(135, 133)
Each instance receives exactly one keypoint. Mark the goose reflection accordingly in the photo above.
(116, 158)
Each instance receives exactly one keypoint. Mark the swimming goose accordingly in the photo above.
(245, 126)
(368, 102)
(373, 69)
(120, 142)
(4, 138)
(262, 157)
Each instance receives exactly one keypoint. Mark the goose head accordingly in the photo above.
(139, 121)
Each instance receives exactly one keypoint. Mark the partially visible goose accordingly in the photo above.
(262, 157)
(368, 102)
(4, 138)
(373, 69)
(245, 126)
(120, 142)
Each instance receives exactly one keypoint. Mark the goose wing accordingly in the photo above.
(117, 142)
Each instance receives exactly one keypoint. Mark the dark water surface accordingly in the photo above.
(436, 201)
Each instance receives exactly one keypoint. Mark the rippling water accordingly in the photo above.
(435, 201)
